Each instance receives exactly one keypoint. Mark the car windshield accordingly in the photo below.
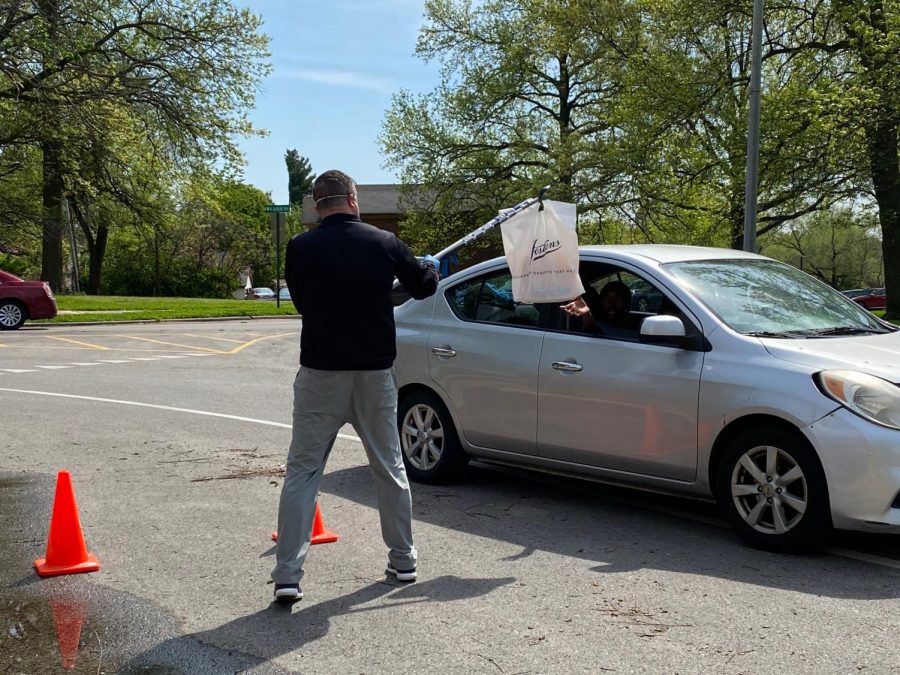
(768, 298)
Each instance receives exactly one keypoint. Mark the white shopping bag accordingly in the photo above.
(541, 248)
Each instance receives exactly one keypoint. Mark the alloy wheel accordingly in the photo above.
(10, 315)
(769, 489)
(422, 437)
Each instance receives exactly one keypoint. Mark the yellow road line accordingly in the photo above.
(175, 344)
(210, 337)
(247, 344)
(77, 342)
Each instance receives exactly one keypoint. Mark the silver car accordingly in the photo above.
(752, 383)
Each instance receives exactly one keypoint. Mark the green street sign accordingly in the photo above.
(278, 208)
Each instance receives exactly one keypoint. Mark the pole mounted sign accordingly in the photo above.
(277, 220)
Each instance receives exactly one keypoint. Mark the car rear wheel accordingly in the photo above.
(12, 314)
(431, 449)
(773, 492)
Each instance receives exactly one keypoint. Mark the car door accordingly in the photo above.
(483, 351)
(615, 403)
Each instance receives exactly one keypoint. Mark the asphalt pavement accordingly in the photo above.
(175, 436)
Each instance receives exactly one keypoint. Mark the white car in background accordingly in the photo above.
(752, 383)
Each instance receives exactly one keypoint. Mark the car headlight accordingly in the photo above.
(868, 396)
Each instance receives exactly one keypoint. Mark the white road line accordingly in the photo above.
(145, 358)
(53, 367)
(17, 370)
(842, 552)
(170, 356)
(113, 361)
(190, 411)
(81, 363)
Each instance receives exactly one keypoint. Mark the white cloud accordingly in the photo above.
(338, 78)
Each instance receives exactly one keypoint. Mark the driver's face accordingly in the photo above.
(614, 306)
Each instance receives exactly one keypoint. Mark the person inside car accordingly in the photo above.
(604, 313)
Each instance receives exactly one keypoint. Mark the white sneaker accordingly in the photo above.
(288, 592)
(402, 575)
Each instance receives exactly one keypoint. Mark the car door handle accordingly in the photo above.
(567, 366)
(443, 351)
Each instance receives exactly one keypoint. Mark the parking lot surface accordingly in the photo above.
(175, 436)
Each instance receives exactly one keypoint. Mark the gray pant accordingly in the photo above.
(325, 400)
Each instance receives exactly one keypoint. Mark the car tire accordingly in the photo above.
(772, 490)
(12, 314)
(431, 449)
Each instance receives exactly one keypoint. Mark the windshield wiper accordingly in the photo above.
(844, 330)
(769, 334)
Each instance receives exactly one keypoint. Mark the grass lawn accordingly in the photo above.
(123, 308)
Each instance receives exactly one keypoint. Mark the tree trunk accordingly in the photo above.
(97, 252)
(52, 249)
(96, 243)
(883, 142)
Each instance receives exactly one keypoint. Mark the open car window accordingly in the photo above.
(488, 298)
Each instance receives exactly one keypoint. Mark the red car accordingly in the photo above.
(22, 300)
(873, 298)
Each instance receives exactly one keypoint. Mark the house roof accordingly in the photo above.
(374, 200)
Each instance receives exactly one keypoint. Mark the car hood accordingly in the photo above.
(877, 355)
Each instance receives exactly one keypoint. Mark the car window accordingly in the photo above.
(646, 299)
(489, 298)
(768, 297)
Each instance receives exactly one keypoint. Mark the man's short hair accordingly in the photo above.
(331, 185)
(616, 288)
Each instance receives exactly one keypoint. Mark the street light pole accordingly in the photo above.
(752, 180)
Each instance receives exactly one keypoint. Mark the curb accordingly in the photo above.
(63, 324)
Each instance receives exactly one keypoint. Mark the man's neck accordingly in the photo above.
(337, 212)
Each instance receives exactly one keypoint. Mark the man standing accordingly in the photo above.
(340, 276)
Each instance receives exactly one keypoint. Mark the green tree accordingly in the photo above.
(524, 99)
(185, 72)
(683, 120)
(841, 247)
(871, 48)
(300, 176)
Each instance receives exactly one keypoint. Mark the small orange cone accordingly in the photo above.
(320, 535)
(66, 552)
(68, 615)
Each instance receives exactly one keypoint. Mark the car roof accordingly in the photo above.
(667, 253)
(659, 253)
(7, 276)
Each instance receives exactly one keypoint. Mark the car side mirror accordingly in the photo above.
(663, 329)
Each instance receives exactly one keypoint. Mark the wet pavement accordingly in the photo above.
(70, 624)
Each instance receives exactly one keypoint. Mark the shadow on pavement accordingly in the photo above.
(620, 530)
(252, 640)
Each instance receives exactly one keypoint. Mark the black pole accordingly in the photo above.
(278, 219)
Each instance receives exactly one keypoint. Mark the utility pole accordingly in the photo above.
(752, 180)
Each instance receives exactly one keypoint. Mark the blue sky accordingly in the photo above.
(336, 65)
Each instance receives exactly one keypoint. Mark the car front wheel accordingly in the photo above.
(12, 314)
(773, 492)
(431, 448)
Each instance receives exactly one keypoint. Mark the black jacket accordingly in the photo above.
(340, 276)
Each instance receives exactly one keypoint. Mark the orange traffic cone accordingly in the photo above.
(68, 615)
(66, 552)
(320, 534)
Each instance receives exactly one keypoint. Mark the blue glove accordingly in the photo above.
(431, 260)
